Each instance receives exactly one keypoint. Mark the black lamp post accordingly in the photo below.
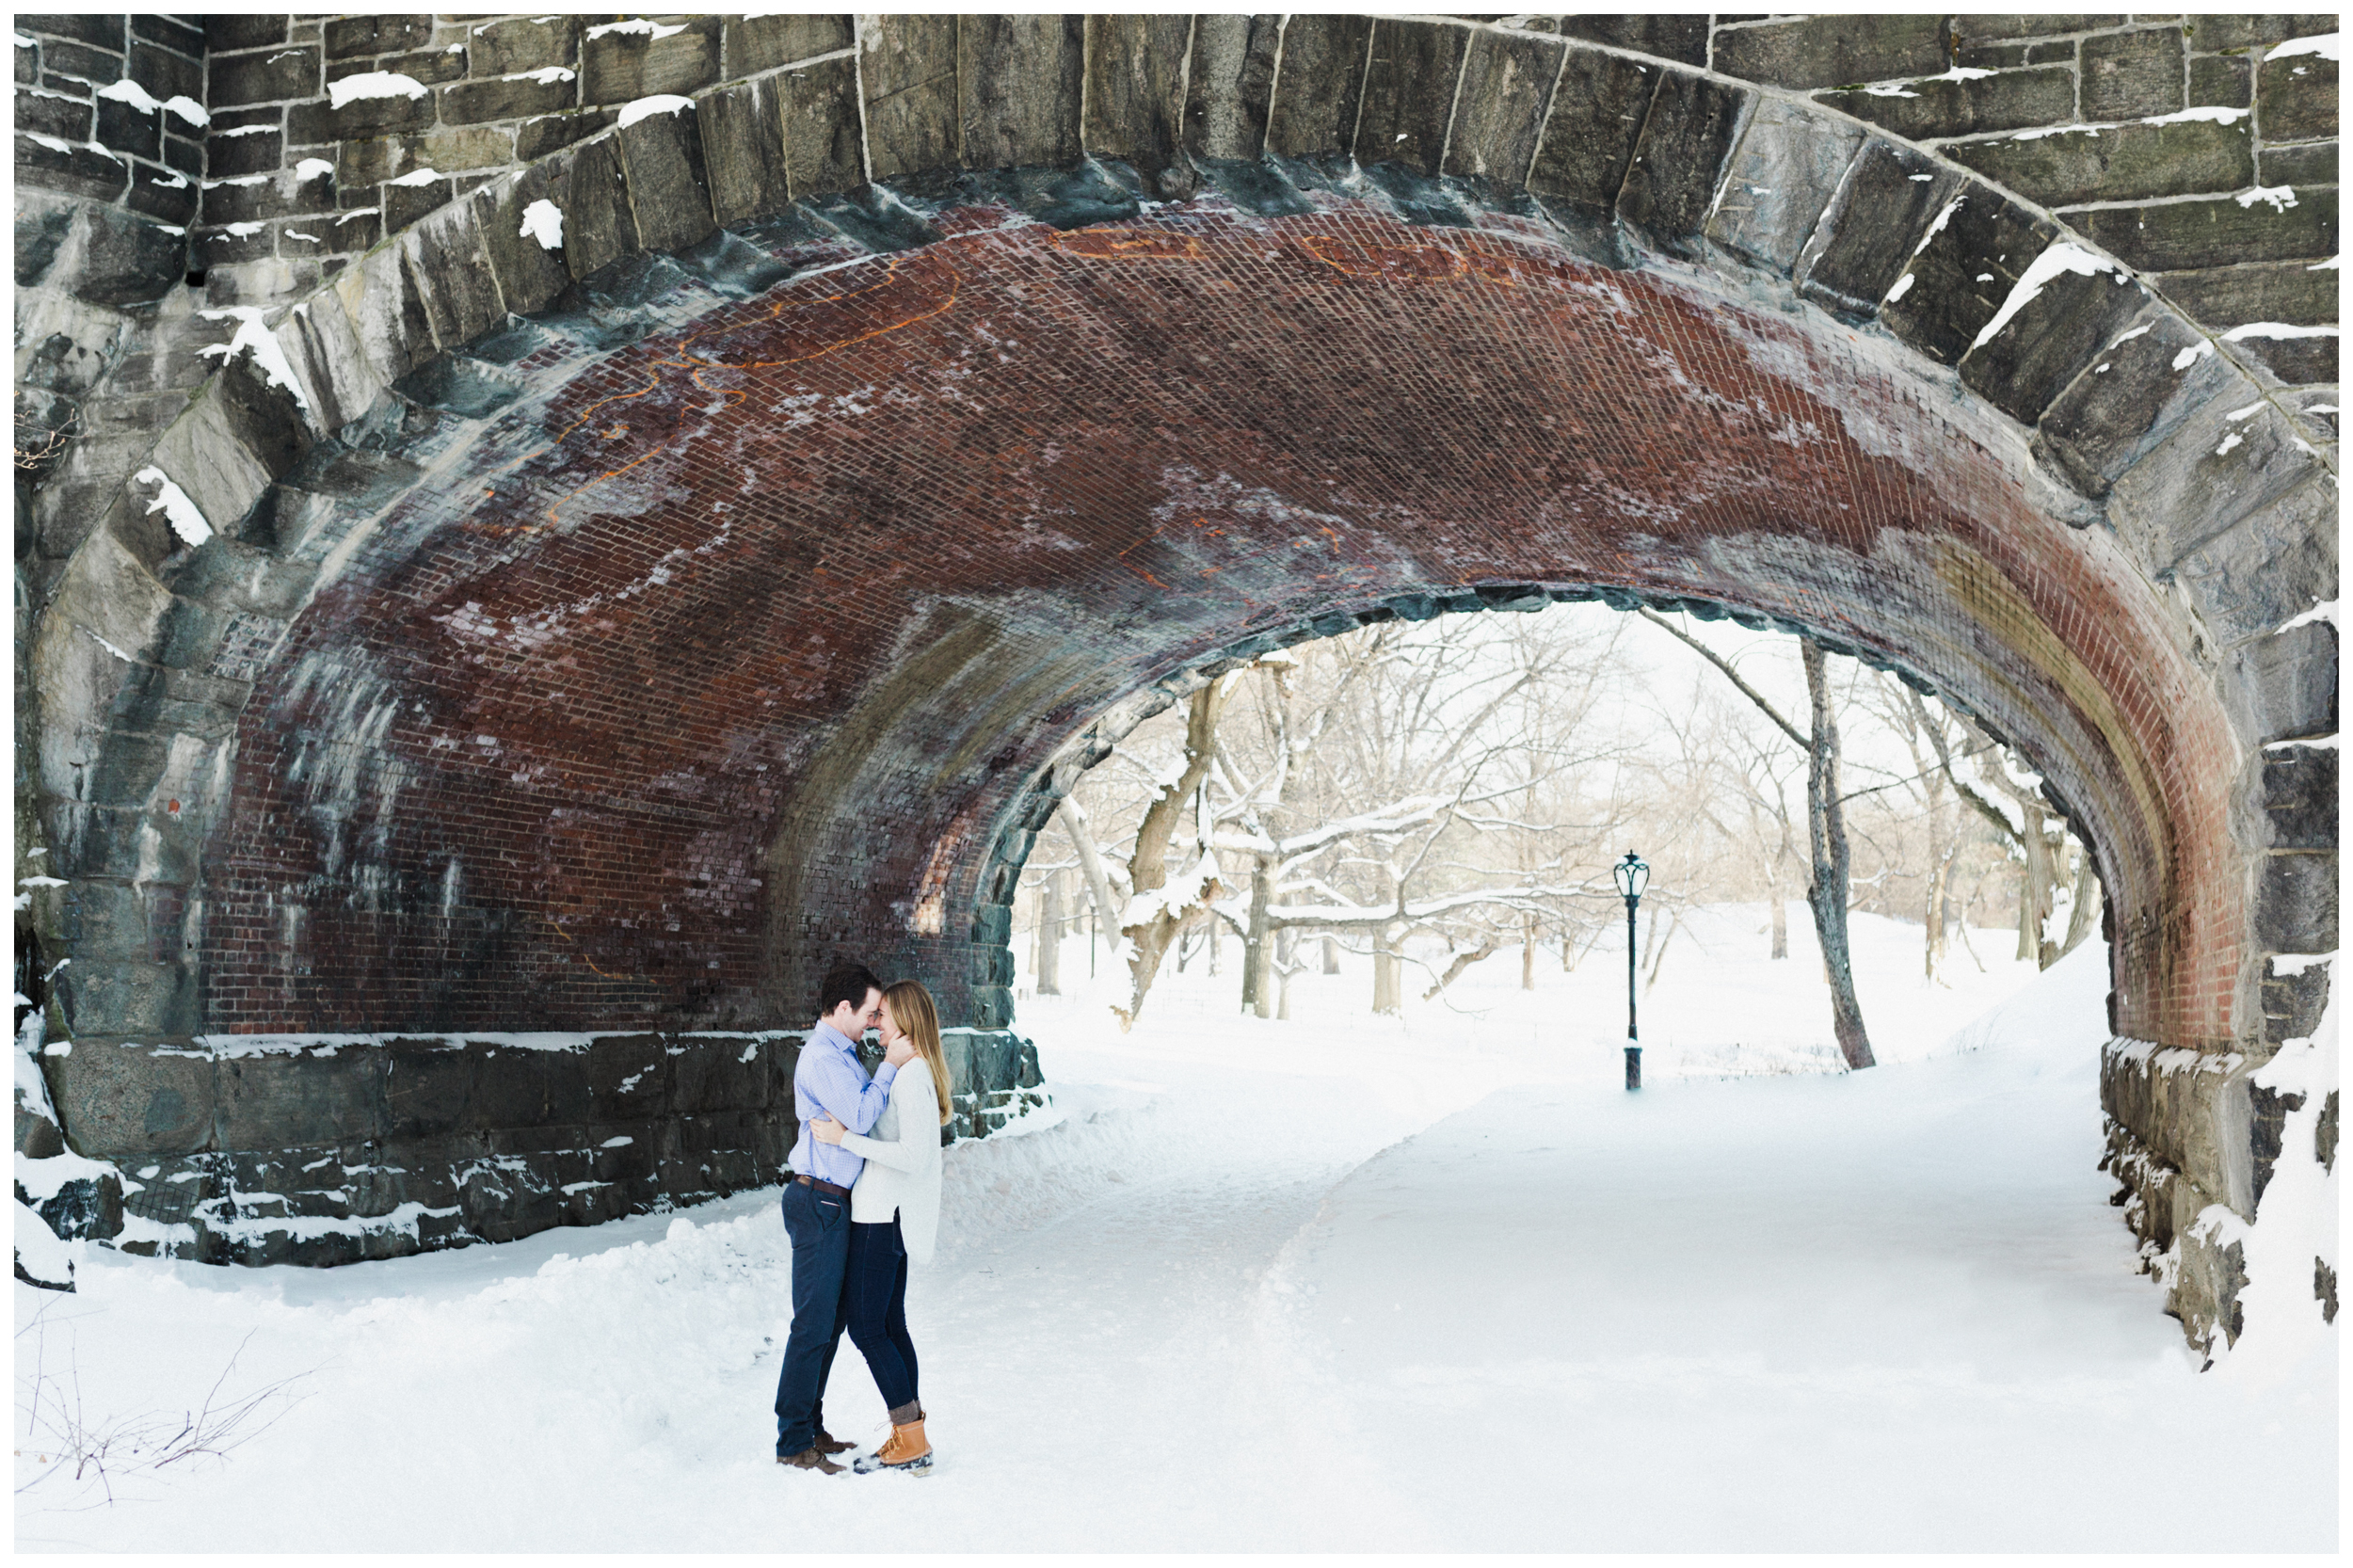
(1632, 876)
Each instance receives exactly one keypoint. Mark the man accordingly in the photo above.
(828, 1081)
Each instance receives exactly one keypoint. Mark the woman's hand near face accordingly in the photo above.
(828, 1130)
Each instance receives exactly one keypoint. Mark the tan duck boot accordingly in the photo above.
(906, 1451)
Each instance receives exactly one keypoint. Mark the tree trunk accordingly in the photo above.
(1658, 948)
(1940, 884)
(1385, 971)
(1286, 964)
(1331, 956)
(1781, 922)
(1050, 917)
(1091, 870)
(2081, 920)
(1940, 876)
(1826, 828)
(1528, 954)
(1257, 977)
(1148, 867)
(2034, 885)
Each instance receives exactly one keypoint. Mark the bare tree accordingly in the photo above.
(1826, 831)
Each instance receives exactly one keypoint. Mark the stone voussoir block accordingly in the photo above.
(2050, 338)
(2226, 460)
(1230, 77)
(742, 127)
(1506, 94)
(1962, 274)
(381, 301)
(1018, 82)
(824, 141)
(448, 264)
(908, 68)
(517, 218)
(203, 451)
(323, 351)
(1782, 179)
(2268, 567)
(1409, 94)
(2290, 682)
(1135, 98)
(1890, 199)
(1590, 127)
(589, 189)
(2150, 376)
(1687, 139)
(2300, 796)
(1313, 110)
(2296, 902)
(670, 192)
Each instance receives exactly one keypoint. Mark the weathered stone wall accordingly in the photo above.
(247, 1149)
(515, 678)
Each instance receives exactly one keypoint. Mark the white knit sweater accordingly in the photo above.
(901, 1154)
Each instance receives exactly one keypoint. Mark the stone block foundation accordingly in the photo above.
(328, 1149)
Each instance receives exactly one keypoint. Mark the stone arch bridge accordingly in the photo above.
(561, 527)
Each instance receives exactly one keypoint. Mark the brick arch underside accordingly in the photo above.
(770, 636)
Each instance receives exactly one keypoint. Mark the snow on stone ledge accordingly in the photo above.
(2057, 259)
(2322, 45)
(373, 84)
(637, 24)
(661, 102)
(543, 220)
(182, 514)
(255, 339)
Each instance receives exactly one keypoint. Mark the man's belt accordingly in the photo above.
(822, 1186)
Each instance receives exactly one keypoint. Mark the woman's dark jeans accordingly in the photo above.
(875, 1298)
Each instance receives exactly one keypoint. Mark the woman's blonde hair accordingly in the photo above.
(911, 1009)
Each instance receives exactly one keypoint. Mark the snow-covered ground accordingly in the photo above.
(1338, 1281)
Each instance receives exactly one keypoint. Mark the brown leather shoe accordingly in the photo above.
(810, 1458)
(829, 1444)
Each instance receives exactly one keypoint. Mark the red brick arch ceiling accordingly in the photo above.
(714, 629)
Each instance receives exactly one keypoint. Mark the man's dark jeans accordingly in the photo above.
(875, 1298)
(818, 1226)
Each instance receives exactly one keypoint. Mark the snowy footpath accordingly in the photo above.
(1338, 1283)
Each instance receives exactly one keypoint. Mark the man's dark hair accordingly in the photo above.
(846, 983)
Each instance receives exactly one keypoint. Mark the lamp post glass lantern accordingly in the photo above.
(1632, 876)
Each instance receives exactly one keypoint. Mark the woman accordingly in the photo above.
(895, 1214)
